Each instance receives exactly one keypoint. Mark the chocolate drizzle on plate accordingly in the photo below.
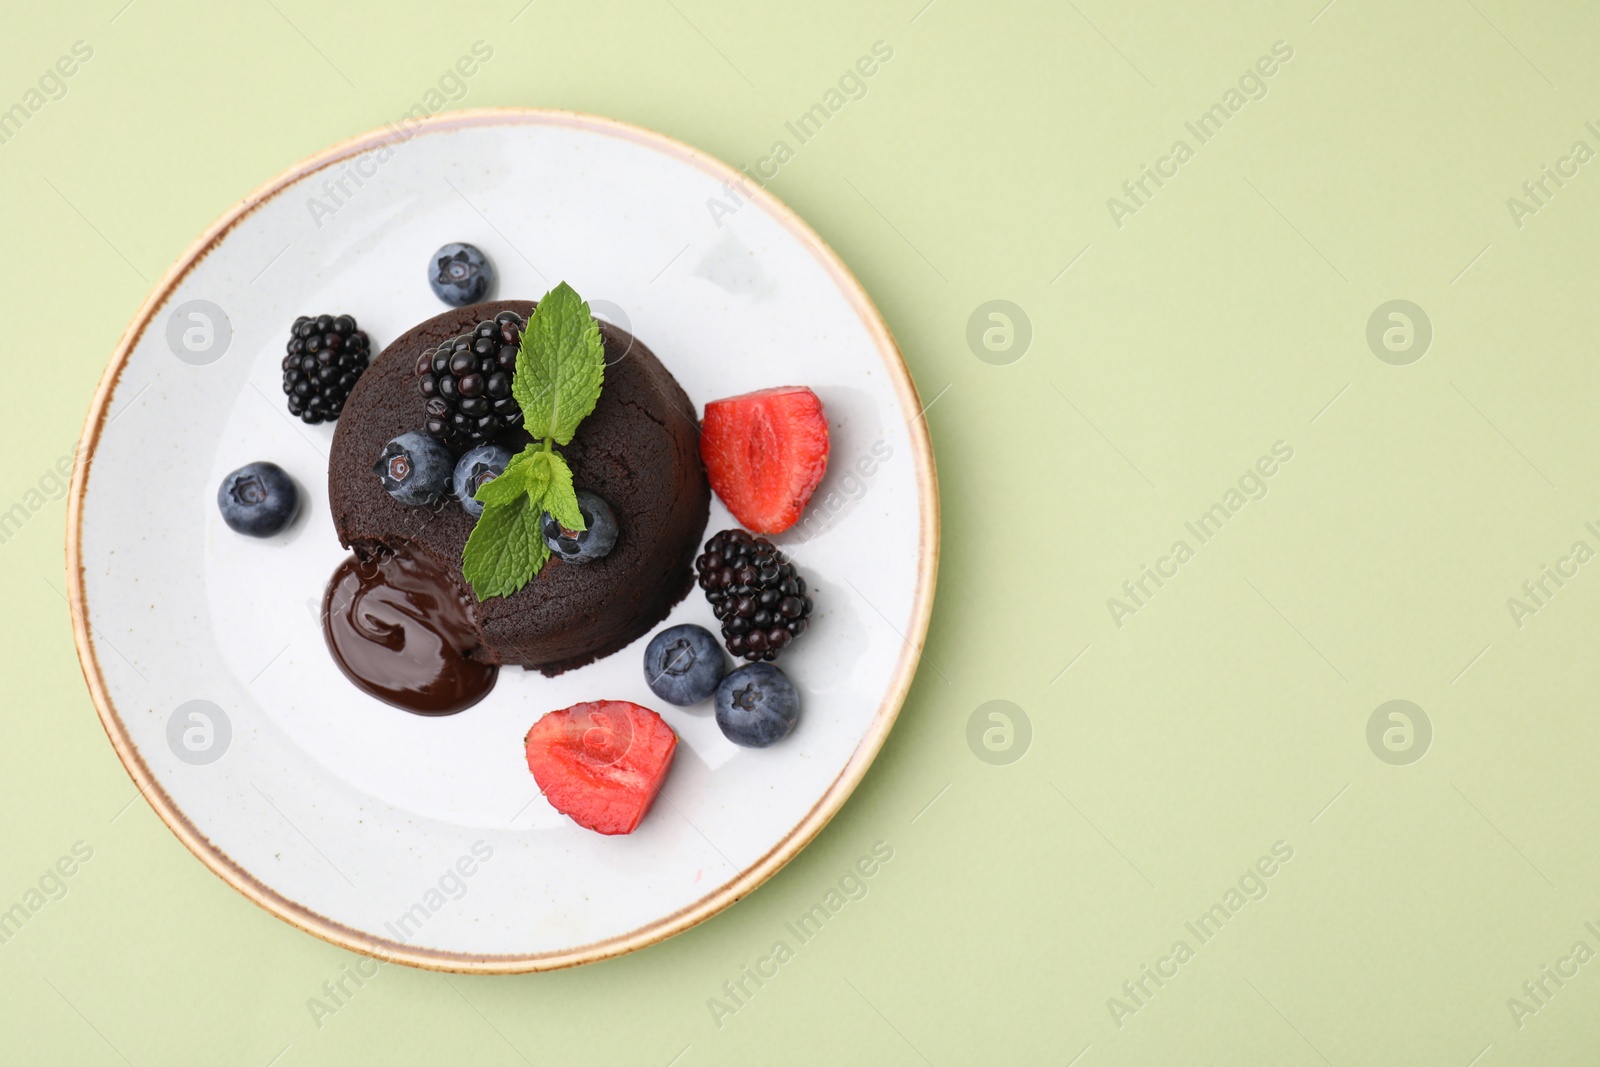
(400, 631)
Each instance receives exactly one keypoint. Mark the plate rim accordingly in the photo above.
(753, 874)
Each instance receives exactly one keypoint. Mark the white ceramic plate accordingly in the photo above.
(426, 840)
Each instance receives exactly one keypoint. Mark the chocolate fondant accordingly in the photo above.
(638, 450)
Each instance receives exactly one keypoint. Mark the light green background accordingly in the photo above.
(1227, 714)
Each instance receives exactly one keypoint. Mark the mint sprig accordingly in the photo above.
(560, 370)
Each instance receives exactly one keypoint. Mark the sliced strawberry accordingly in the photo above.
(601, 763)
(764, 453)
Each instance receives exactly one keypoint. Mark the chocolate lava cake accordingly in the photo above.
(639, 450)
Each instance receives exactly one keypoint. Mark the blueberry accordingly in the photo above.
(414, 468)
(757, 705)
(683, 664)
(587, 545)
(476, 466)
(258, 499)
(460, 274)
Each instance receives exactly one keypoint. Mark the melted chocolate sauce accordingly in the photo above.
(400, 631)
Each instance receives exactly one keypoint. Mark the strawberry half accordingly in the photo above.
(764, 453)
(601, 763)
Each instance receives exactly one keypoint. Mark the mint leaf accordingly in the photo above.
(510, 483)
(560, 499)
(560, 366)
(506, 548)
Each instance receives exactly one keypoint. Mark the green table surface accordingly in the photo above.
(1190, 835)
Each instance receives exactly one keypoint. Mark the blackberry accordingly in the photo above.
(755, 593)
(327, 353)
(466, 382)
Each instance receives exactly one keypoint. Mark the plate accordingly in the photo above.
(425, 840)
